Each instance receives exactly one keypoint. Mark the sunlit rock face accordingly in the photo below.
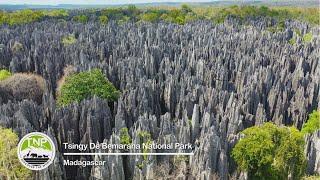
(198, 83)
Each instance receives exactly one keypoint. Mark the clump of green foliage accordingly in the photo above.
(313, 123)
(150, 17)
(140, 165)
(103, 19)
(10, 167)
(307, 37)
(190, 122)
(315, 177)
(4, 74)
(28, 16)
(180, 16)
(81, 18)
(124, 136)
(145, 137)
(56, 13)
(219, 14)
(69, 40)
(20, 17)
(79, 86)
(271, 152)
(181, 158)
(292, 41)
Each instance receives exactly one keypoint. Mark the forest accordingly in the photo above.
(181, 15)
(240, 83)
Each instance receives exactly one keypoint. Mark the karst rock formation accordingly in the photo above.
(199, 83)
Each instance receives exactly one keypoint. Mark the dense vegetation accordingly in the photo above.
(145, 138)
(174, 15)
(4, 74)
(217, 78)
(10, 167)
(83, 85)
(27, 16)
(271, 152)
(313, 123)
(69, 40)
(281, 14)
(124, 136)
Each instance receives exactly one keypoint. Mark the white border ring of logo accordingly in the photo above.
(53, 149)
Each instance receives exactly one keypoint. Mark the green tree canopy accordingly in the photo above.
(103, 19)
(81, 18)
(271, 152)
(124, 136)
(4, 74)
(83, 85)
(10, 167)
(312, 124)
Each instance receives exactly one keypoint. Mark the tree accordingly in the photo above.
(271, 152)
(313, 123)
(80, 86)
(150, 17)
(186, 9)
(289, 157)
(10, 167)
(69, 40)
(81, 18)
(124, 136)
(103, 19)
(4, 74)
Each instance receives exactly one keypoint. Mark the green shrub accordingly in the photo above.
(145, 137)
(4, 74)
(181, 158)
(307, 38)
(140, 165)
(103, 19)
(292, 41)
(313, 123)
(83, 85)
(270, 152)
(176, 16)
(297, 31)
(123, 19)
(150, 17)
(315, 177)
(10, 167)
(124, 136)
(56, 13)
(81, 18)
(69, 40)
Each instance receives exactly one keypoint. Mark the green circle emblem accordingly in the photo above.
(36, 151)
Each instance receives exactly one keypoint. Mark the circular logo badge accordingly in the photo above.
(36, 151)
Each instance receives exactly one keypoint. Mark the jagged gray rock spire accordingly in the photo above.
(197, 83)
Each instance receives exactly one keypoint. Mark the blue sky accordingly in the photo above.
(54, 2)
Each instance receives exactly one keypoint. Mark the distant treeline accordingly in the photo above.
(181, 15)
(28, 15)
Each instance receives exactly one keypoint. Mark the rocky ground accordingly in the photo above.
(199, 83)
